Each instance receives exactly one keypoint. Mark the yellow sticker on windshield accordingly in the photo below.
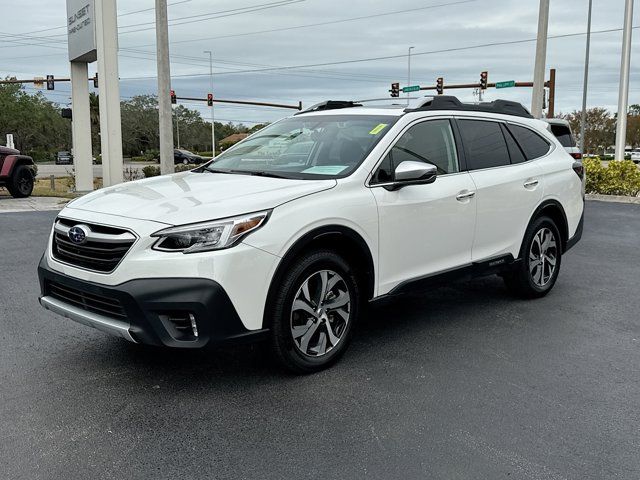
(378, 128)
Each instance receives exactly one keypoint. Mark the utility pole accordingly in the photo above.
(165, 112)
(541, 58)
(409, 70)
(110, 118)
(623, 94)
(583, 117)
(213, 123)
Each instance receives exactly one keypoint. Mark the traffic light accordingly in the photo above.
(174, 99)
(440, 85)
(395, 89)
(51, 83)
(210, 99)
(95, 81)
(484, 76)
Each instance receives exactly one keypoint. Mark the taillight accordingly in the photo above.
(579, 169)
(577, 156)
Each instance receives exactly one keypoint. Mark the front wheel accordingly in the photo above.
(20, 184)
(313, 312)
(537, 271)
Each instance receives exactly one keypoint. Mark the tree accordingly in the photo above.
(600, 131)
(36, 123)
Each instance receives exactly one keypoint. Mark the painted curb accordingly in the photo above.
(613, 198)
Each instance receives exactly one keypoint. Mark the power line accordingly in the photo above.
(388, 57)
(317, 24)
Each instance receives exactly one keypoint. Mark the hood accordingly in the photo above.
(189, 197)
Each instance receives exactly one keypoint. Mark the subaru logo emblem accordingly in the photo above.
(78, 234)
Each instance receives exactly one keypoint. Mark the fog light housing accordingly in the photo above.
(181, 325)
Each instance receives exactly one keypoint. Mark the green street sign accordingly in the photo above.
(412, 88)
(507, 84)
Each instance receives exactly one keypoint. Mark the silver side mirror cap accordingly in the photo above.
(413, 173)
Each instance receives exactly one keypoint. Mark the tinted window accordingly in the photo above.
(563, 134)
(484, 143)
(532, 144)
(514, 150)
(430, 142)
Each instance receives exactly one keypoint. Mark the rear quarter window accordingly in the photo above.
(563, 134)
(532, 144)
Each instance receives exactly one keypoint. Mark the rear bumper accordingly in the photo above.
(140, 310)
(576, 236)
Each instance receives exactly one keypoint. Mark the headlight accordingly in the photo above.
(206, 236)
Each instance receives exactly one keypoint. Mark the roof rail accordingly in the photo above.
(448, 102)
(330, 105)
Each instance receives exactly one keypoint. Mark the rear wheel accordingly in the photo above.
(313, 312)
(541, 254)
(20, 185)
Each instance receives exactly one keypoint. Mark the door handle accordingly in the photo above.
(531, 183)
(465, 195)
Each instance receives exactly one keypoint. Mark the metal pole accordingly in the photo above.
(213, 123)
(623, 95)
(583, 116)
(109, 99)
(164, 87)
(541, 58)
(409, 70)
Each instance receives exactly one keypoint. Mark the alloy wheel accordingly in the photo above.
(320, 313)
(543, 256)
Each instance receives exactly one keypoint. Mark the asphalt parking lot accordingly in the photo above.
(463, 382)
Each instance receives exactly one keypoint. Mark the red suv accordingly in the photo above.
(16, 172)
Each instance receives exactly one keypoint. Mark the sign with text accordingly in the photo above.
(507, 84)
(81, 31)
(412, 88)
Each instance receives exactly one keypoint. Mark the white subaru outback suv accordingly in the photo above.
(292, 231)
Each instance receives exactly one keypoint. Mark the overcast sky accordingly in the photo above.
(31, 45)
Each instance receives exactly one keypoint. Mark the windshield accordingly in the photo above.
(306, 147)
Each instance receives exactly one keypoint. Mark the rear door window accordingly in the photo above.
(515, 152)
(532, 144)
(484, 144)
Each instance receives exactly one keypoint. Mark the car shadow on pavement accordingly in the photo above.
(387, 327)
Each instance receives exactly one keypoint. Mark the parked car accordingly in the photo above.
(64, 158)
(16, 172)
(562, 130)
(265, 243)
(635, 155)
(186, 157)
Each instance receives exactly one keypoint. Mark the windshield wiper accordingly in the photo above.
(260, 173)
(216, 170)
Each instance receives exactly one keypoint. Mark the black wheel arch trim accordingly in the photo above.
(315, 237)
(563, 228)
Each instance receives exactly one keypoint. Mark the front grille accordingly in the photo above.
(102, 251)
(90, 302)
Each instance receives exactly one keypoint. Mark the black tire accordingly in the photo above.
(528, 280)
(20, 185)
(284, 318)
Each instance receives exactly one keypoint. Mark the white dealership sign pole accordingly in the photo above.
(110, 122)
(82, 50)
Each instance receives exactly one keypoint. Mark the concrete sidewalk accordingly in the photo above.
(31, 204)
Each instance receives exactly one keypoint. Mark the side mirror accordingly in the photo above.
(413, 173)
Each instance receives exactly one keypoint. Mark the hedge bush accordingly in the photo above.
(151, 171)
(618, 178)
(154, 170)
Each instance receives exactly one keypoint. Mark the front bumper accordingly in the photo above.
(141, 310)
